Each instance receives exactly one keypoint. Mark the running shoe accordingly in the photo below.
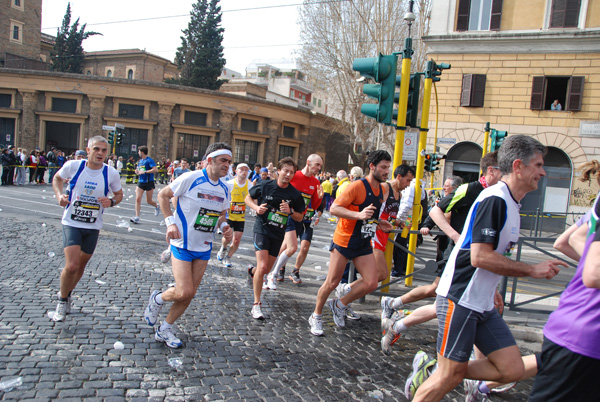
(152, 310)
(227, 262)
(386, 309)
(389, 336)
(135, 219)
(503, 388)
(168, 337)
(257, 312)
(339, 314)
(295, 277)
(342, 290)
(423, 366)
(222, 254)
(281, 274)
(69, 302)
(472, 392)
(61, 311)
(316, 325)
(157, 210)
(165, 256)
(271, 283)
(351, 314)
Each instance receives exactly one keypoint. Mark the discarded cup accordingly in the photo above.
(155, 230)
(130, 229)
(8, 385)
(99, 282)
(50, 314)
(51, 254)
(175, 362)
(122, 224)
(43, 225)
(119, 345)
(318, 267)
(320, 278)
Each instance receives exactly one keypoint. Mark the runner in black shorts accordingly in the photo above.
(277, 201)
(146, 168)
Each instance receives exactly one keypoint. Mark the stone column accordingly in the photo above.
(303, 150)
(273, 130)
(30, 135)
(227, 124)
(96, 119)
(164, 132)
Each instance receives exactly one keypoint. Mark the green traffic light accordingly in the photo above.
(383, 70)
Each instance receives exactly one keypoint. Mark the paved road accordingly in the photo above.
(227, 355)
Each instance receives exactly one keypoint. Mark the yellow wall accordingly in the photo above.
(593, 14)
(508, 88)
(521, 15)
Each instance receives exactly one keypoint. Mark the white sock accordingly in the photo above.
(281, 261)
(399, 326)
(165, 325)
(158, 299)
(319, 316)
(396, 303)
(340, 304)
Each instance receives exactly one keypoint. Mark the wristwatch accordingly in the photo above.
(112, 202)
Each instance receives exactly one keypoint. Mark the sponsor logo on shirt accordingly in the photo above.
(488, 232)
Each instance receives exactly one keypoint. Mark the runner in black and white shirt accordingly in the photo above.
(202, 200)
(465, 301)
(91, 182)
(277, 201)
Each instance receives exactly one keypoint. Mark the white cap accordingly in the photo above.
(176, 162)
(241, 165)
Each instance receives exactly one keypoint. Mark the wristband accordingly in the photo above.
(223, 225)
(170, 220)
(112, 202)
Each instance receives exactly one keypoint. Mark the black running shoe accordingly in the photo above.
(295, 276)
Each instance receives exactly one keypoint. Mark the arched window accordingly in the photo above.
(109, 73)
(130, 74)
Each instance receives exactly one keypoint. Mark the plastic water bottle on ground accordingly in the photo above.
(8, 385)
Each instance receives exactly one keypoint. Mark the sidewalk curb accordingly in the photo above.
(527, 334)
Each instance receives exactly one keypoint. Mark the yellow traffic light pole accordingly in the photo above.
(402, 103)
(416, 214)
(486, 139)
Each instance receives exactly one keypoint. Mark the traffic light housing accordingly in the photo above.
(498, 138)
(432, 162)
(111, 138)
(412, 107)
(382, 69)
(436, 69)
(428, 158)
(119, 138)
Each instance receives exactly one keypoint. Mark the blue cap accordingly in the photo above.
(264, 170)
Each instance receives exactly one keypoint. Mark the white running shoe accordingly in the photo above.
(271, 283)
(351, 314)
(221, 254)
(339, 314)
(157, 210)
(423, 367)
(257, 313)
(389, 336)
(168, 337)
(342, 290)
(472, 392)
(152, 310)
(61, 311)
(316, 325)
(135, 219)
(227, 262)
(165, 256)
(386, 309)
(69, 302)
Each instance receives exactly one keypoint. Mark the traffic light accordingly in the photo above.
(428, 158)
(436, 69)
(435, 162)
(412, 107)
(382, 69)
(119, 138)
(111, 138)
(497, 139)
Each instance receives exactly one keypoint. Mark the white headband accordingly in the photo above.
(218, 152)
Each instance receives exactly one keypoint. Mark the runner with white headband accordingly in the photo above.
(203, 198)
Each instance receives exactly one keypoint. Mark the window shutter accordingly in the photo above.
(575, 95)
(496, 15)
(537, 93)
(465, 94)
(572, 13)
(478, 90)
(462, 20)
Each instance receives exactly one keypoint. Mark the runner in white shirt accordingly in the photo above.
(202, 201)
(91, 182)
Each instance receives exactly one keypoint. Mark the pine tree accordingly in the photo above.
(200, 57)
(67, 54)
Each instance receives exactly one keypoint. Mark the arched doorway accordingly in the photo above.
(551, 198)
(463, 160)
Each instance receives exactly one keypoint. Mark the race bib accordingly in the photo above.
(309, 214)
(368, 229)
(306, 198)
(278, 219)
(238, 208)
(85, 211)
(206, 221)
